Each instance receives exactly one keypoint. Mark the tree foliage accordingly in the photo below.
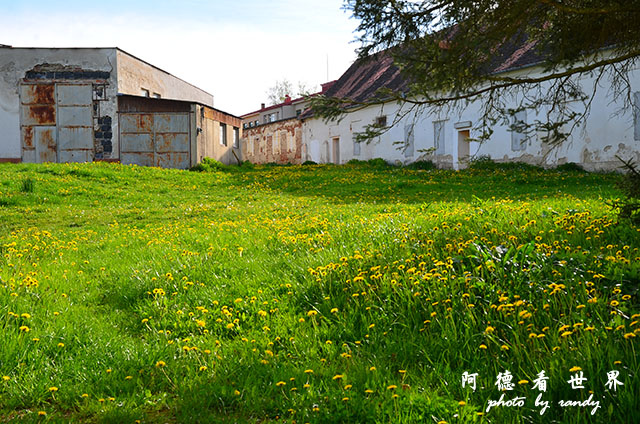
(283, 88)
(451, 51)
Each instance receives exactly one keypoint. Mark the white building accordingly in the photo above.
(609, 131)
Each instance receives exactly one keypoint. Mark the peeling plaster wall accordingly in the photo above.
(209, 138)
(277, 142)
(609, 131)
(16, 63)
(134, 75)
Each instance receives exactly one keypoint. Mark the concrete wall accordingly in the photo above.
(53, 66)
(277, 142)
(209, 141)
(609, 131)
(135, 75)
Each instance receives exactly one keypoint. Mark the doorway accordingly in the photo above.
(336, 150)
(463, 149)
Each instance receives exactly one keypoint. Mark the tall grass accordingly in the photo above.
(313, 294)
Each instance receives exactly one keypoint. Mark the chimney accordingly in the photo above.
(287, 99)
(261, 105)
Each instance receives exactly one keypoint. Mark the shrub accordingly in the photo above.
(308, 162)
(379, 163)
(421, 164)
(630, 186)
(209, 165)
(487, 164)
(247, 165)
(570, 167)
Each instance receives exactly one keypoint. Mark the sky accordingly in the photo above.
(234, 50)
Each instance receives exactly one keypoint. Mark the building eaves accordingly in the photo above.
(181, 101)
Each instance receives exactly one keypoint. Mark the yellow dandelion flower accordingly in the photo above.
(281, 383)
(372, 368)
(53, 389)
(575, 369)
(85, 395)
(523, 382)
(462, 403)
(203, 368)
(489, 329)
(42, 413)
(24, 328)
(368, 391)
(483, 346)
(629, 335)
(504, 347)
(6, 378)
(348, 386)
(161, 364)
(309, 371)
(392, 387)
(566, 334)
(337, 377)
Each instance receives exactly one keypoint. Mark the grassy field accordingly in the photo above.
(318, 294)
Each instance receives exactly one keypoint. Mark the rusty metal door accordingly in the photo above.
(75, 122)
(56, 122)
(38, 123)
(155, 139)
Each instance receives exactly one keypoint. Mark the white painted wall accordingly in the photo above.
(609, 131)
(15, 62)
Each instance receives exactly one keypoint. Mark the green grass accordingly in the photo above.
(317, 294)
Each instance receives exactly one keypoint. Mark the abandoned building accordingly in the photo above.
(273, 134)
(446, 138)
(89, 104)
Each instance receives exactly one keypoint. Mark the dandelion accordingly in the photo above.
(334, 310)
(42, 413)
(85, 395)
(203, 368)
(392, 387)
(6, 378)
(372, 368)
(521, 382)
(504, 347)
(309, 371)
(24, 328)
(281, 383)
(160, 364)
(483, 346)
(338, 377)
(53, 389)
(462, 403)
(575, 369)
(489, 329)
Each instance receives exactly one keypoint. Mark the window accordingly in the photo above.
(275, 148)
(439, 137)
(518, 128)
(156, 95)
(636, 116)
(408, 140)
(236, 137)
(381, 121)
(223, 134)
(144, 92)
(298, 112)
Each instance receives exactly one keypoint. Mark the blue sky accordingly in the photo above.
(235, 50)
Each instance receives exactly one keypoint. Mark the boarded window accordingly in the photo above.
(381, 121)
(223, 134)
(356, 145)
(438, 137)
(518, 128)
(256, 146)
(408, 140)
(275, 144)
(236, 137)
(636, 116)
